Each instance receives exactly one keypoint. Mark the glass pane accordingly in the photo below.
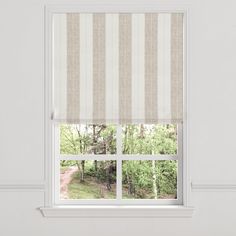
(88, 179)
(149, 139)
(149, 179)
(87, 139)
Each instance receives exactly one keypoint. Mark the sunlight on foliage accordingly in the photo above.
(149, 139)
(88, 139)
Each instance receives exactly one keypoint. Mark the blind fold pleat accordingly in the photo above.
(118, 68)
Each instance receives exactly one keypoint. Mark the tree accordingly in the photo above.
(141, 179)
(154, 179)
(150, 179)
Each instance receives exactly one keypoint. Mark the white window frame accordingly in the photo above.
(50, 208)
(118, 157)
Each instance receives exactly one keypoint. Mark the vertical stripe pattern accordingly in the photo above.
(163, 65)
(125, 61)
(86, 68)
(138, 65)
(150, 67)
(118, 68)
(112, 67)
(99, 68)
(176, 65)
(73, 71)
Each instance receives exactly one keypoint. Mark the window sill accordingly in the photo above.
(118, 211)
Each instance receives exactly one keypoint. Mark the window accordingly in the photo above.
(116, 106)
(118, 164)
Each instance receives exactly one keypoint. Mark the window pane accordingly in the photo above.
(88, 179)
(149, 179)
(149, 139)
(87, 139)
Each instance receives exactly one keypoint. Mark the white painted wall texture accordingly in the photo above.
(211, 119)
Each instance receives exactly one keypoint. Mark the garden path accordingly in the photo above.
(65, 179)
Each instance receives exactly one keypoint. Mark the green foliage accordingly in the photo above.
(87, 139)
(90, 169)
(149, 139)
(140, 179)
(102, 170)
(99, 179)
(139, 175)
(67, 163)
(167, 177)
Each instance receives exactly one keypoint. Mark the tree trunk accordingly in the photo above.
(125, 143)
(141, 131)
(141, 136)
(82, 171)
(109, 170)
(94, 140)
(80, 139)
(95, 151)
(96, 165)
(131, 187)
(80, 166)
(154, 179)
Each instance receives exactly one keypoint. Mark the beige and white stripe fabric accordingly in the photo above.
(118, 67)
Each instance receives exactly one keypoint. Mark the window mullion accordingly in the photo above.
(141, 157)
(87, 157)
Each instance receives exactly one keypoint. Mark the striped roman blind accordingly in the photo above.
(118, 68)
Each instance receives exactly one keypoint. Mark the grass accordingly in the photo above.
(89, 189)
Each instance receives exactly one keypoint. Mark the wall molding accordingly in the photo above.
(213, 186)
(22, 186)
(41, 186)
(195, 186)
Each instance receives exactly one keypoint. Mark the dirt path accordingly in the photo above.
(65, 179)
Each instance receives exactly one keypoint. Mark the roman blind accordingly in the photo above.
(118, 67)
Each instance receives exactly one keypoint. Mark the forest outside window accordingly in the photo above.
(118, 164)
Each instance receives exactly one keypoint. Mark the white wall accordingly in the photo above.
(211, 117)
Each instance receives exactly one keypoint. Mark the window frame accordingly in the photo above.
(118, 157)
(50, 209)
